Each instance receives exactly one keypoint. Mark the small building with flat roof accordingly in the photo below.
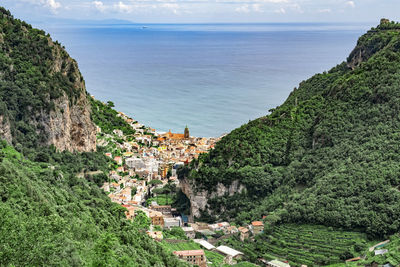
(189, 232)
(156, 218)
(204, 244)
(257, 227)
(231, 255)
(195, 257)
(172, 222)
(277, 263)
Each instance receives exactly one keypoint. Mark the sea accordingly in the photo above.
(212, 78)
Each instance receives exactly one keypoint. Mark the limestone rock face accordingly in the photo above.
(5, 129)
(199, 199)
(69, 126)
(65, 120)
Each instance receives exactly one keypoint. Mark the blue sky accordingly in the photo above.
(203, 11)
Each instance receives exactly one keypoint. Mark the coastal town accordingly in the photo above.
(146, 162)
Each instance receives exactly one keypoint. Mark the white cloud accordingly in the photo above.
(99, 6)
(280, 11)
(257, 8)
(53, 5)
(350, 4)
(247, 8)
(123, 8)
(172, 7)
(243, 9)
(252, 1)
(295, 7)
(325, 10)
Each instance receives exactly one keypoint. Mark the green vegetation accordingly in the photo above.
(329, 155)
(48, 215)
(161, 200)
(392, 256)
(30, 79)
(175, 233)
(104, 116)
(303, 244)
(51, 217)
(167, 195)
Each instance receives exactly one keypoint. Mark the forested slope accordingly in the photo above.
(328, 155)
(48, 215)
(43, 100)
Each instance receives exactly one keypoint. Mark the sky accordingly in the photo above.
(206, 11)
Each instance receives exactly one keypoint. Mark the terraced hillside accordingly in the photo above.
(303, 244)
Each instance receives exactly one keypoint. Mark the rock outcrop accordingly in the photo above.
(43, 99)
(369, 44)
(5, 129)
(69, 126)
(199, 198)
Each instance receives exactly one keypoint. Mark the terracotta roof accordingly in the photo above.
(243, 229)
(257, 223)
(198, 252)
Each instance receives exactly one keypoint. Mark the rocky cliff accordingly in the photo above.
(69, 125)
(371, 43)
(199, 198)
(43, 100)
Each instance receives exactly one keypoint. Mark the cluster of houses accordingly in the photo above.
(198, 257)
(149, 155)
(208, 234)
(157, 151)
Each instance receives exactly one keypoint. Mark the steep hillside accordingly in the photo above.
(50, 217)
(328, 155)
(43, 100)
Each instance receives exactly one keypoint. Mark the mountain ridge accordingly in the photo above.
(327, 155)
(43, 99)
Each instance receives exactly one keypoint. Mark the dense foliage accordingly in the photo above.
(104, 116)
(302, 244)
(52, 211)
(329, 155)
(34, 73)
(392, 255)
(51, 217)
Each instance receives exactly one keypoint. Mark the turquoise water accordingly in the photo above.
(212, 78)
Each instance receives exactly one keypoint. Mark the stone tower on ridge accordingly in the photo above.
(186, 133)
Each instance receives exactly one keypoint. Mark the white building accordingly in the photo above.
(119, 133)
(204, 244)
(135, 163)
(277, 263)
(189, 232)
(231, 255)
(172, 222)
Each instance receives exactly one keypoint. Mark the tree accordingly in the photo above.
(141, 221)
(154, 182)
(104, 251)
(110, 104)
